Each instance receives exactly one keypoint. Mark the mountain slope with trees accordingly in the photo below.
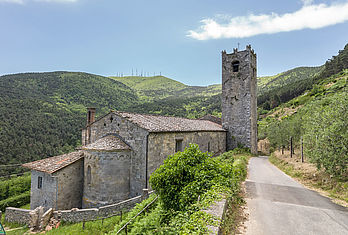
(41, 114)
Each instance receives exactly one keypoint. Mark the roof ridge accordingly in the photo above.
(155, 115)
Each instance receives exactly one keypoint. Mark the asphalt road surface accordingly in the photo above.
(278, 204)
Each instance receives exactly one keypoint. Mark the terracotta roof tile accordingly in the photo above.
(107, 143)
(154, 123)
(53, 164)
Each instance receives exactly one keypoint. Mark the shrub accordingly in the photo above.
(180, 181)
(16, 201)
(15, 186)
(185, 175)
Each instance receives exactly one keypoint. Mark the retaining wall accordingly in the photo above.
(217, 209)
(17, 215)
(75, 215)
(79, 215)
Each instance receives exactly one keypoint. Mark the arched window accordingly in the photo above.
(235, 66)
(89, 175)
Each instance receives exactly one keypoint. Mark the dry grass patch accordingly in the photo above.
(307, 174)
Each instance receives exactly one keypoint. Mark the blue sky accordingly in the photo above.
(182, 39)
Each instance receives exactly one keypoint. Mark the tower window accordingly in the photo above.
(89, 175)
(178, 145)
(39, 182)
(235, 66)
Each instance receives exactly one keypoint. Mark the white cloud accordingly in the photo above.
(25, 1)
(309, 16)
(307, 2)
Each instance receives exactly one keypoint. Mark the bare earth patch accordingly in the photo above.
(286, 111)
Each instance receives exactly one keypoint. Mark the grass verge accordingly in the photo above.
(310, 176)
(234, 214)
(91, 227)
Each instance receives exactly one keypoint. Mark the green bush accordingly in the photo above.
(193, 180)
(16, 201)
(14, 187)
(186, 175)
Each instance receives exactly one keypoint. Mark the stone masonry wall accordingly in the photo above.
(17, 215)
(70, 186)
(75, 215)
(45, 196)
(239, 99)
(109, 179)
(161, 145)
(135, 137)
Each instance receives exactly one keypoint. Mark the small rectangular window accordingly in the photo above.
(178, 145)
(235, 66)
(39, 182)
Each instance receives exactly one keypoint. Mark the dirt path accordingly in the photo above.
(278, 204)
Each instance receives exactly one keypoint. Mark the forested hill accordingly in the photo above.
(281, 88)
(277, 89)
(41, 114)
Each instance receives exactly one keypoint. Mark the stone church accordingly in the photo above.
(120, 150)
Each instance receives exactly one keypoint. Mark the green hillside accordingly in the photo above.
(165, 96)
(41, 114)
(274, 90)
(152, 88)
(320, 117)
(268, 83)
(159, 87)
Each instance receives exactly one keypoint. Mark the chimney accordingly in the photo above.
(90, 115)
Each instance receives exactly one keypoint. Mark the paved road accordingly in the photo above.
(279, 205)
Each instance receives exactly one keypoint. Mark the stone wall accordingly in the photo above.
(76, 215)
(239, 104)
(79, 215)
(109, 178)
(218, 210)
(70, 186)
(122, 206)
(17, 215)
(161, 145)
(45, 196)
(135, 137)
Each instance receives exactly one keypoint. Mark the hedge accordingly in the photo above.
(16, 201)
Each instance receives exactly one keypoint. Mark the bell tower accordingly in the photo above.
(239, 100)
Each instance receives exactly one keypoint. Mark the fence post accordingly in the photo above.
(126, 230)
(145, 194)
(291, 147)
(302, 160)
(121, 216)
(282, 149)
(83, 225)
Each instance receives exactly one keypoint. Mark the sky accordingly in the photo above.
(180, 39)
